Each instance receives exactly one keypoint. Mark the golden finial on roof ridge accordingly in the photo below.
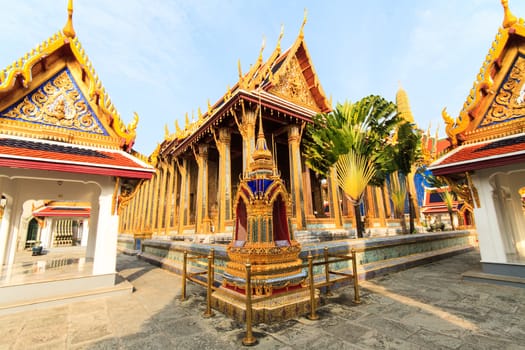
(301, 32)
(281, 34)
(509, 19)
(263, 46)
(68, 30)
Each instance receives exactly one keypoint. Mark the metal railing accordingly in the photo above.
(208, 278)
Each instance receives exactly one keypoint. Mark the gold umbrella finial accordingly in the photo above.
(68, 30)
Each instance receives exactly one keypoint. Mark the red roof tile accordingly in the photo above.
(46, 155)
(482, 155)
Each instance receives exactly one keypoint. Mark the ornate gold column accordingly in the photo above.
(184, 194)
(142, 208)
(201, 218)
(169, 201)
(296, 176)
(149, 205)
(224, 196)
(155, 188)
(333, 194)
(162, 196)
(175, 191)
(307, 183)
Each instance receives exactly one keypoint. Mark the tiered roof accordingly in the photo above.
(490, 128)
(56, 115)
(285, 83)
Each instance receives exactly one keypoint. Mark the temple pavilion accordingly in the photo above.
(488, 152)
(199, 166)
(66, 171)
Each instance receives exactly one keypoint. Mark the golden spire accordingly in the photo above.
(68, 30)
(509, 19)
(301, 32)
(403, 106)
(262, 157)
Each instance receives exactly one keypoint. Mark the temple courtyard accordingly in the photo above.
(426, 307)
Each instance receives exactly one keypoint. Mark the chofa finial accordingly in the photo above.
(509, 19)
(68, 30)
(301, 32)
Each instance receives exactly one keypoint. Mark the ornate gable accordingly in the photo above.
(509, 102)
(57, 102)
(54, 93)
(495, 107)
(291, 84)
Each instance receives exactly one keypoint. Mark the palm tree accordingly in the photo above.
(404, 154)
(398, 194)
(354, 137)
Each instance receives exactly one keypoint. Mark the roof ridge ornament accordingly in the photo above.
(509, 19)
(68, 30)
(305, 18)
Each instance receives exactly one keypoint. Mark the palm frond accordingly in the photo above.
(354, 173)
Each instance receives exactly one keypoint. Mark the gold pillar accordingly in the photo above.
(155, 200)
(307, 185)
(162, 193)
(184, 195)
(169, 200)
(333, 194)
(296, 176)
(201, 218)
(135, 217)
(141, 208)
(149, 205)
(175, 191)
(223, 143)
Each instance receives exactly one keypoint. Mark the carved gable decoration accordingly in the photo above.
(57, 102)
(292, 85)
(509, 103)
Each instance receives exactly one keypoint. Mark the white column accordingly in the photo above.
(490, 244)
(105, 256)
(85, 232)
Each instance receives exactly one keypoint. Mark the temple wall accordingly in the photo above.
(375, 256)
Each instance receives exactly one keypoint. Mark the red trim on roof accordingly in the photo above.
(481, 156)
(43, 155)
(79, 169)
(63, 212)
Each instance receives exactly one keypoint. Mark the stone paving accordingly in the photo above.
(427, 307)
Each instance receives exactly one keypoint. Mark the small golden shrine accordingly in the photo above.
(262, 238)
(262, 235)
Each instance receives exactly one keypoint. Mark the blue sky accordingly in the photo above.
(163, 58)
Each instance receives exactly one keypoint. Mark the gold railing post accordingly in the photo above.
(208, 312)
(357, 299)
(327, 272)
(184, 262)
(313, 315)
(249, 339)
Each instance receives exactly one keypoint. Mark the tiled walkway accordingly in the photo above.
(427, 307)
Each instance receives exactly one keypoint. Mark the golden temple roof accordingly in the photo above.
(493, 108)
(287, 77)
(62, 51)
